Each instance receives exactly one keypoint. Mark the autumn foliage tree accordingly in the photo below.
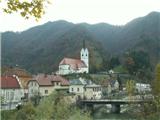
(130, 87)
(26, 8)
(151, 111)
(156, 90)
(156, 83)
(138, 65)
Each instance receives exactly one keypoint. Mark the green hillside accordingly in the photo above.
(40, 49)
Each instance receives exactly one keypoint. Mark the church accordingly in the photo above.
(70, 65)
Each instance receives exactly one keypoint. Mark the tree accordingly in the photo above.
(156, 83)
(156, 90)
(79, 115)
(35, 99)
(58, 107)
(114, 61)
(151, 111)
(45, 109)
(137, 60)
(26, 113)
(130, 87)
(62, 110)
(26, 9)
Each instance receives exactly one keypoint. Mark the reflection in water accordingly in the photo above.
(103, 113)
(109, 116)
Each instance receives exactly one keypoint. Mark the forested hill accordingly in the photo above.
(40, 49)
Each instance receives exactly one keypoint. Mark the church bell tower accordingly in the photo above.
(85, 55)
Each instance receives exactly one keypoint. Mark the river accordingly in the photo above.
(111, 116)
(104, 114)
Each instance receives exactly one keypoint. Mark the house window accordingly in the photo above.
(72, 89)
(46, 91)
(77, 89)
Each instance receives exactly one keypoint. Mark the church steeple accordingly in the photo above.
(84, 55)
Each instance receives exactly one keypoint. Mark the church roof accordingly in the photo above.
(74, 63)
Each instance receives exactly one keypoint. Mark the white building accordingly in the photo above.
(70, 65)
(111, 71)
(93, 91)
(141, 87)
(76, 87)
(11, 92)
(22, 75)
(85, 89)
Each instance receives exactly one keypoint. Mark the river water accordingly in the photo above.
(109, 116)
(104, 114)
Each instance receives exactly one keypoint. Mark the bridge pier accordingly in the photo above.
(89, 107)
(115, 108)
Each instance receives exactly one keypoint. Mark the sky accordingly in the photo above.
(115, 12)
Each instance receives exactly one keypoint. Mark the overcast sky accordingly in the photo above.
(116, 12)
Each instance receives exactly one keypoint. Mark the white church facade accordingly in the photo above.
(70, 65)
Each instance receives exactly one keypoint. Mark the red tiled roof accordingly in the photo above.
(63, 81)
(43, 80)
(9, 82)
(74, 63)
(46, 80)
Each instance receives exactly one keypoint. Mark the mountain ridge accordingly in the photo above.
(40, 48)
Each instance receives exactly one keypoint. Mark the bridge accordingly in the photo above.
(114, 102)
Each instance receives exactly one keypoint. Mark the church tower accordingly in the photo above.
(85, 55)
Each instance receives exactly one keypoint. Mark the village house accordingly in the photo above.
(93, 91)
(142, 87)
(113, 85)
(22, 75)
(44, 85)
(76, 87)
(85, 89)
(11, 92)
(111, 71)
(70, 65)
